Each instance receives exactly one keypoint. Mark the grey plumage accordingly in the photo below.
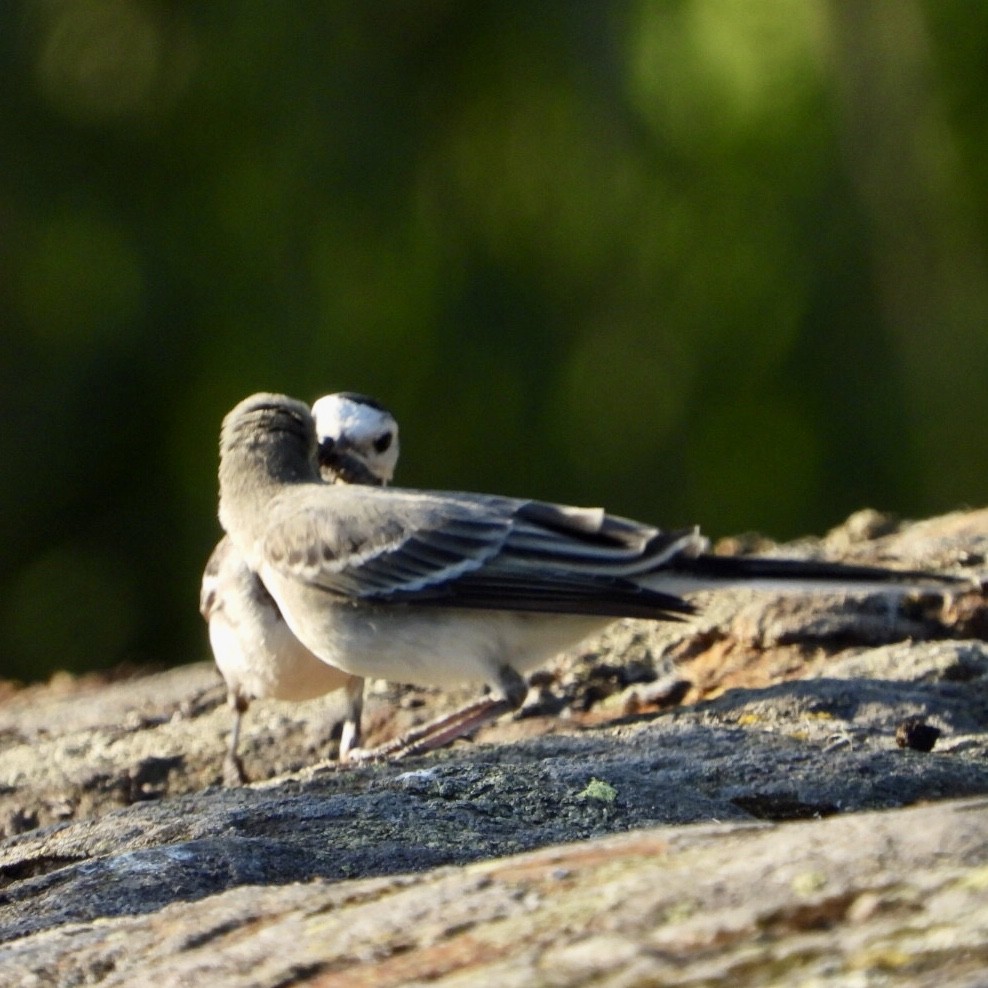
(255, 650)
(438, 588)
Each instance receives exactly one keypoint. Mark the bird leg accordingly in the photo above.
(509, 694)
(350, 736)
(233, 768)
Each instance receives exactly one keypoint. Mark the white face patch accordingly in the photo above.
(362, 429)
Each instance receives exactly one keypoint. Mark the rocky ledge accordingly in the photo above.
(783, 791)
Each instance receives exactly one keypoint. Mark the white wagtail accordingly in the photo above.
(255, 651)
(438, 588)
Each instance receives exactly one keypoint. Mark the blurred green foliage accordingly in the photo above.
(697, 260)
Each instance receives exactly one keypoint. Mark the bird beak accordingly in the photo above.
(328, 453)
(338, 463)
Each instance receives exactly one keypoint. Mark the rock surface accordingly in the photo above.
(681, 805)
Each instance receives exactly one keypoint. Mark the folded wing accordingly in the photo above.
(471, 551)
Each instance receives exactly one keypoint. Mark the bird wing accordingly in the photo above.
(469, 550)
(211, 576)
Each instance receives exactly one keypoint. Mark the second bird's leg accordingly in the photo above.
(233, 767)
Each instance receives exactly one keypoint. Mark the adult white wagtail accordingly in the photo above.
(439, 588)
(256, 652)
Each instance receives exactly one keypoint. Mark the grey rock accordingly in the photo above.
(731, 837)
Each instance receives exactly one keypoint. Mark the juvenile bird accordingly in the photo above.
(441, 588)
(256, 652)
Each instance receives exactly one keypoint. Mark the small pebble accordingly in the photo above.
(915, 733)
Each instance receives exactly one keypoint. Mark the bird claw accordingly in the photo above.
(233, 772)
(435, 734)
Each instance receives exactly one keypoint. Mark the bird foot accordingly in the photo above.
(435, 734)
(233, 772)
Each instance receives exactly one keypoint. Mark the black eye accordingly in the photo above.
(382, 442)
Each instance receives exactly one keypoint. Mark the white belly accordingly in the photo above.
(422, 645)
(255, 650)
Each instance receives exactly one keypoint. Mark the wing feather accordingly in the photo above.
(465, 550)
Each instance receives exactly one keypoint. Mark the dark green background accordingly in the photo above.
(718, 261)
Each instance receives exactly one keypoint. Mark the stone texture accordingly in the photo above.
(681, 805)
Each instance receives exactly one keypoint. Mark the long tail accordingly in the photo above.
(688, 574)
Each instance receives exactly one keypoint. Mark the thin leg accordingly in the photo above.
(351, 736)
(233, 769)
(510, 692)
